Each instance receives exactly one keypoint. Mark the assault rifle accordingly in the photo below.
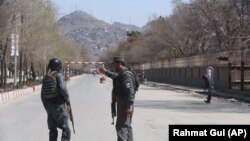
(71, 117)
(113, 108)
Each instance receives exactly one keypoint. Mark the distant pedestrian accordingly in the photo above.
(124, 93)
(56, 101)
(209, 85)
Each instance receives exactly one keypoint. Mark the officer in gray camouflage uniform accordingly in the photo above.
(57, 107)
(123, 89)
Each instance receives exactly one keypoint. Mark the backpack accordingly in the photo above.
(49, 86)
(136, 79)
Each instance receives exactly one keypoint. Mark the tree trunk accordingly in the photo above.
(1, 72)
(21, 68)
(32, 71)
(5, 75)
(25, 76)
(4, 68)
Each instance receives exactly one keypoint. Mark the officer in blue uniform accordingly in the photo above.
(57, 107)
(123, 90)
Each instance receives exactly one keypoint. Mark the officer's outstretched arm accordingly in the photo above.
(111, 74)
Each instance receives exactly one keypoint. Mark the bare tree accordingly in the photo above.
(6, 24)
(39, 38)
(228, 20)
(195, 28)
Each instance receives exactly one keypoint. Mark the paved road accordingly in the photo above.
(25, 119)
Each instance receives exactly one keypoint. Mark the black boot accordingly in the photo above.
(207, 101)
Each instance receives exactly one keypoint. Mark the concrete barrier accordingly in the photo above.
(12, 95)
(5, 97)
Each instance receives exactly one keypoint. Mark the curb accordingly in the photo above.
(218, 93)
(12, 95)
(5, 97)
(233, 96)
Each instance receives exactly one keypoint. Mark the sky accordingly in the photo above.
(135, 12)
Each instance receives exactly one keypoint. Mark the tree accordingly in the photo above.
(6, 24)
(39, 38)
(228, 20)
(195, 28)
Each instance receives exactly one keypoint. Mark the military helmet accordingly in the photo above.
(55, 64)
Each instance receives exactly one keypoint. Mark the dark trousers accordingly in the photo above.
(209, 95)
(123, 122)
(124, 129)
(58, 119)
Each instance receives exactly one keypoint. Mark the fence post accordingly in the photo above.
(242, 66)
(229, 76)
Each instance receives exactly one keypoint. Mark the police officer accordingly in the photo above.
(57, 107)
(123, 89)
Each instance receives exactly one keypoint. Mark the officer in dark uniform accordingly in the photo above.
(123, 89)
(57, 108)
(209, 85)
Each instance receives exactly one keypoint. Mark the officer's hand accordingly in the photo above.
(101, 70)
(129, 110)
(68, 108)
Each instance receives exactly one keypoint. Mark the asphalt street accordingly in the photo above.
(25, 118)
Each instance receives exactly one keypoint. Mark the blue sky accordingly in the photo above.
(136, 12)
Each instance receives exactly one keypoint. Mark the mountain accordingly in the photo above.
(97, 35)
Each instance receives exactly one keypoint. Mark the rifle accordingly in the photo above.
(113, 111)
(113, 108)
(71, 117)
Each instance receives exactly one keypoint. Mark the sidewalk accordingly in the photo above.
(239, 95)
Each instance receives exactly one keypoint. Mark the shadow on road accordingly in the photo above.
(192, 106)
(149, 88)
